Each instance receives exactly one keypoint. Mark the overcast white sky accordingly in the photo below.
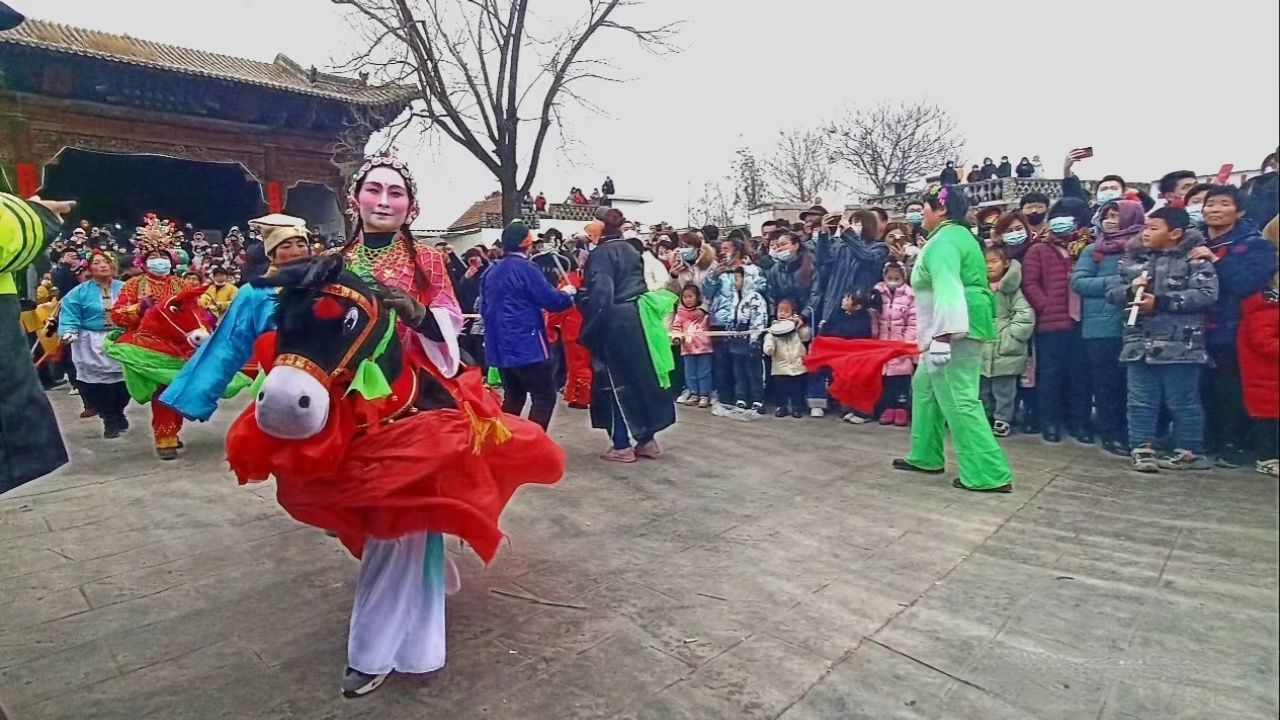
(1152, 86)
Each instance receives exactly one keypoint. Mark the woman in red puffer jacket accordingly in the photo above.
(1258, 347)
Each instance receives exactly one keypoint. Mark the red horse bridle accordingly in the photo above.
(309, 366)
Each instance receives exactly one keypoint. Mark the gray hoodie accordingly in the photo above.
(1185, 291)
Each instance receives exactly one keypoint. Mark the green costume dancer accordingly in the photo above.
(954, 307)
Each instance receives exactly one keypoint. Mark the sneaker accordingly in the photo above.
(855, 418)
(1231, 457)
(356, 683)
(1144, 459)
(74, 391)
(1000, 428)
(741, 404)
(1268, 467)
(704, 402)
(796, 414)
(683, 399)
(758, 408)
(627, 455)
(886, 417)
(902, 417)
(691, 401)
(648, 450)
(111, 429)
(817, 412)
(781, 412)
(1184, 460)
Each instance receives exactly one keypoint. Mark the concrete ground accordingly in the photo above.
(775, 569)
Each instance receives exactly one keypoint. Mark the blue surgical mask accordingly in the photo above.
(1017, 237)
(688, 254)
(1106, 196)
(1196, 213)
(1062, 225)
(915, 218)
(159, 266)
(782, 255)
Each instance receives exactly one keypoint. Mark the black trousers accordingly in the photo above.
(1226, 420)
(788, 392)
(1110, 386)
(1062, 380)
(896, 392)
(535, 382)
(722, 369)
(107, 399)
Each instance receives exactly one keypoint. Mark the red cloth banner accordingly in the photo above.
(28, 181)
(275, 198)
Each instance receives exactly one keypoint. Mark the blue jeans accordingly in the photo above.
(1177, 388)
(697, 374)
(618, 432)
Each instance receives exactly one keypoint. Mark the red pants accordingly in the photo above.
(165, 422)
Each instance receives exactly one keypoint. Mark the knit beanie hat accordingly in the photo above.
(516, 237)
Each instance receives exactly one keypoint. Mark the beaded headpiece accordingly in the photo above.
(155, 235)
(389, 160)
(384, 160)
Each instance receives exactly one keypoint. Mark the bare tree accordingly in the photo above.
(749, 184)
(482, 71)
(717, 206)
(896, 143)
(800, 166)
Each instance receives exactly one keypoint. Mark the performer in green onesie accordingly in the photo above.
(954, 309)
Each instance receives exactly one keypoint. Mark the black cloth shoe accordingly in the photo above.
(781, 412)
(902, 464)
(1051, 434)
(1084, 435)
(796, 414)
(1116, 447)
(1230, 457)
(1005, 488)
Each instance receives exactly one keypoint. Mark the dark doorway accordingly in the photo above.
(317, 204)
(116, 188)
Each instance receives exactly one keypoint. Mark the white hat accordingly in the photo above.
(276, 228)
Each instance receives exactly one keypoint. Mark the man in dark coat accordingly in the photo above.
(513, 294)
(949, 176)
(1006, 168)
(627, 398)
(30, 444)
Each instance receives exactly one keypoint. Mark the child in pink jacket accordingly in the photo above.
(690, 319)
(896, 321)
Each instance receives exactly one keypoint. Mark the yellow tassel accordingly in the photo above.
(481, 428)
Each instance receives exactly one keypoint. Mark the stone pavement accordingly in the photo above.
(776, 569)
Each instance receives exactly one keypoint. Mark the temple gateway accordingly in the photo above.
(127, 126)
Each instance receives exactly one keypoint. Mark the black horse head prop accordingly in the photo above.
(333, 336)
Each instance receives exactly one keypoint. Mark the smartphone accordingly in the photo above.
(475, 262)
(1082, 153)
(1224, 173)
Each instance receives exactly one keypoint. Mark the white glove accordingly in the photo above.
(69, 337)
(569, 290)
(938, 354)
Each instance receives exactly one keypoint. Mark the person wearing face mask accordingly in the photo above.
(146, 375)
(1062, 380)
(205, 378)
(975, 175)
(989, 169)
(690, 264)
(1009, 234)
(896, 321)
(1034, 207)
(1025, 169)
(949, 176)
(1195, 205)
(1102, 323)
(1005, 169)
(791, 275)
(914, 215)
